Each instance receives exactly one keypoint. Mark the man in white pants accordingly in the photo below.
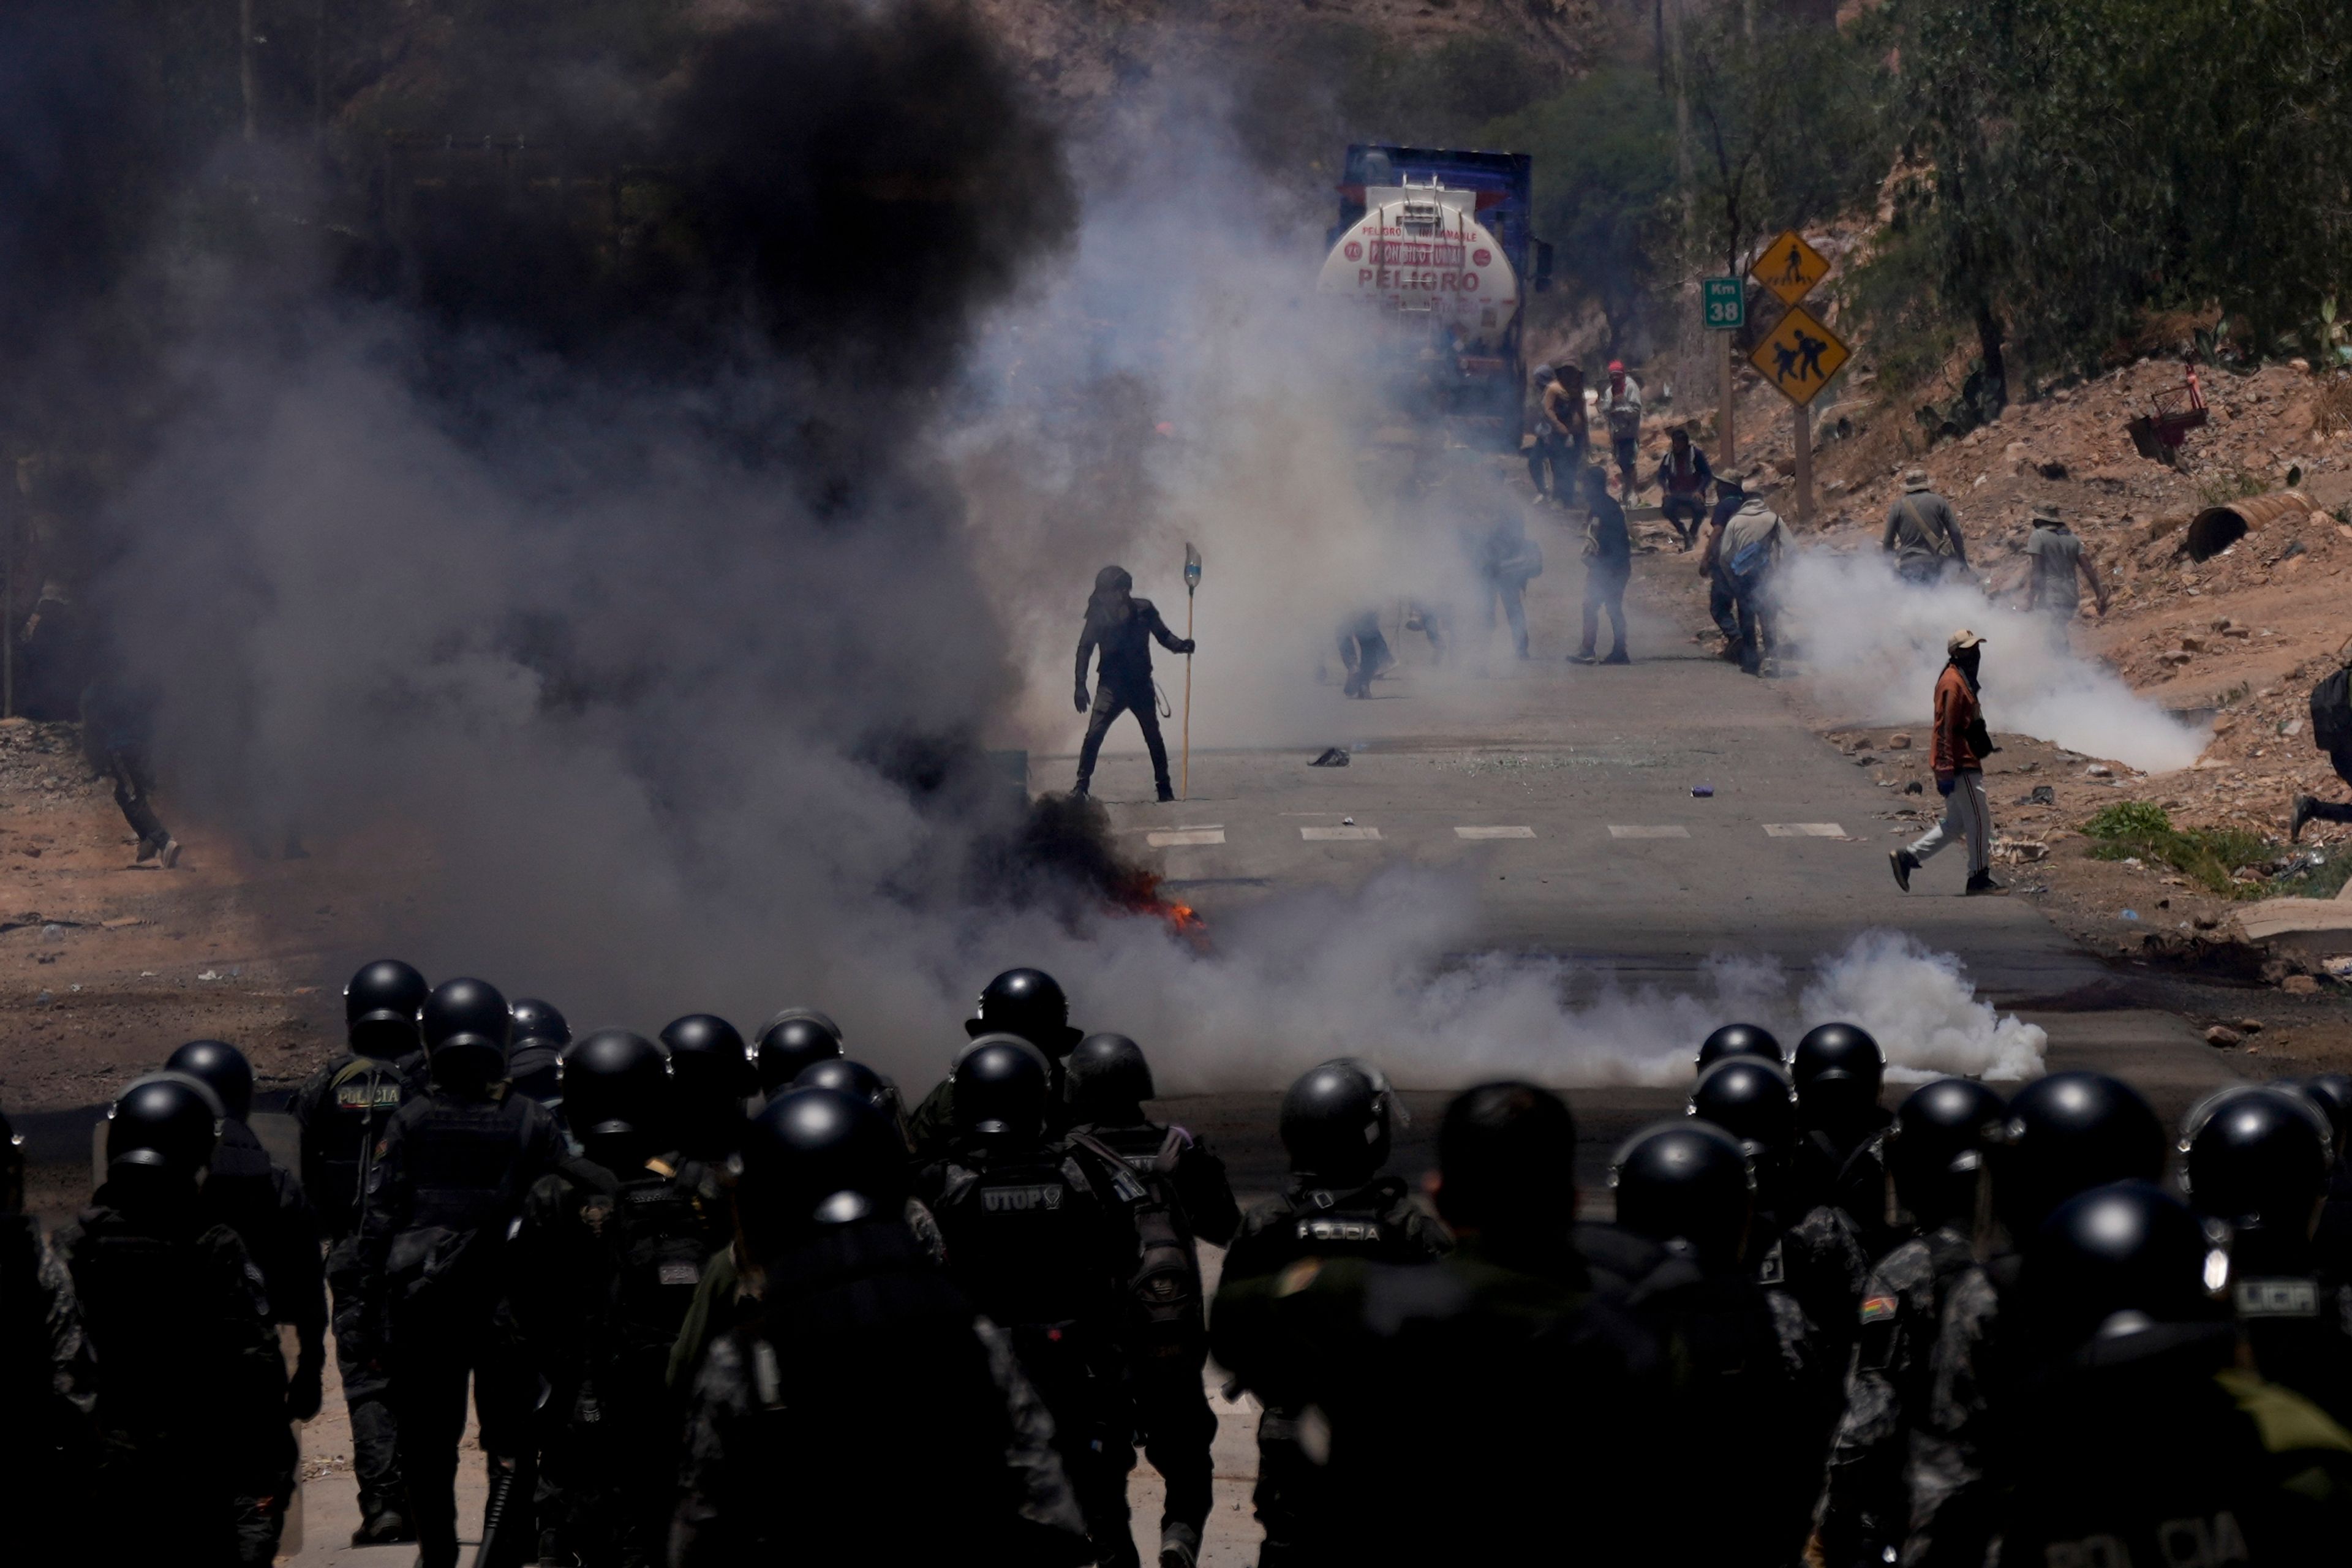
(1961, 745)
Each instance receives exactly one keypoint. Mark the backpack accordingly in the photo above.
(1164, 1289)
(658, 1242)
(2331, 710)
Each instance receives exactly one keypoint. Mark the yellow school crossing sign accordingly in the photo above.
(1790, 267)
(1798, 356)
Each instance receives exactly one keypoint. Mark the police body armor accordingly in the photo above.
(340, 1137)
(464, 1162)
(861, 1348)
(1164, 1308)
(1024, 1234)
(658, 1228)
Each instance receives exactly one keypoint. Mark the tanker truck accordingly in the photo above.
(1432, 259)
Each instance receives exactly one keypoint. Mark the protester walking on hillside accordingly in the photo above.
(1961, 745)
(1923, 532)
(1620, 405)
(2056, 552)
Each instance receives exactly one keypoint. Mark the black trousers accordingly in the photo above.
(366, 1391)
(431, 1367)
(1685, 515)
(1604, 589)
(2329, 810)
(1177, 1427)
(1112, 700)
(132, 784)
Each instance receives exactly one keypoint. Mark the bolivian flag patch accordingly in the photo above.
(1878, 1309)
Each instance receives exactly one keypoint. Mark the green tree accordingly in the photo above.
(1604, 184)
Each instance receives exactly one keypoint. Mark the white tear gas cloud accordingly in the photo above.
(1872, 646)
(645, 637)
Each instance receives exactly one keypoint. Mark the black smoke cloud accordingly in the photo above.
(572, 570)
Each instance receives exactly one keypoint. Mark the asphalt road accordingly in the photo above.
(1586, 842)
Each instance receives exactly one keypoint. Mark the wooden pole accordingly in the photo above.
(1804, 413)
(1184, 790)
(1727, 442)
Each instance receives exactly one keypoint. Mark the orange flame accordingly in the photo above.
(1140, 895)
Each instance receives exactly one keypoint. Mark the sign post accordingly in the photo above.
(1799, 355)
(1725, 303)
(1192, 582)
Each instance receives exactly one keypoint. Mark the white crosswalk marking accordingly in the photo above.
(1166, 836)
(1805, 830)
(1336, 834)
(1494, 832)
(1617, 832)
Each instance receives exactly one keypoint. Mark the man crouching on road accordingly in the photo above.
(1962, 744)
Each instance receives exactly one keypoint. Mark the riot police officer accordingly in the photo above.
(2332, 1092)
(1842, 1227)
(1042, 1246)
(192, 1386)
(1337, 1123)
(262, 1201)
(1026, 1002)
(342, 1111)
(1944, 1134)
(448, 1183)
(2257, 1159)
(2065, 1134)
(48, 1380)
(861, 1361)
(1490, 1406)
(721, 1302)
(790, 1043)
(605, 1262)
(1741, 1040)
(1749, 1394)
(712, 1079)
(534, 1060)
(2136, 1438)
(1177, 1195)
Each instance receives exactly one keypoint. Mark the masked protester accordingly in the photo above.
(1123, 628)
(1961, 745)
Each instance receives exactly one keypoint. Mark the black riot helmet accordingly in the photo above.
(2112, 1263)
(1107, 1080)
(1002, 1082)
(1336, 1121)
(167, 1122)
(1753, 1101)
(1685, 1184)
(535, 1060)
(816, 1157)
(380, 1008)
(1028, 1003)
(790, 1043)
(2069, 1132)
(1505, 1158)
(857, 1078)
(12, 1168)
(1739, 1040)
(2257, 1157)
(616, 1084)
(221, 1068)
(1944, 1135)
(1839, 1068)
(533, 1019)
(2332, 1092)
(467, 1026)
(709, 1058)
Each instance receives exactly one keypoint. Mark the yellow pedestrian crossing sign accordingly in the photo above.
(1798, 356)
(1790, 267)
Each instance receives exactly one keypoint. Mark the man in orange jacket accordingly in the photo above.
(1961, 745)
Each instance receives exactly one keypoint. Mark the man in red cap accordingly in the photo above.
(1620, 405)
